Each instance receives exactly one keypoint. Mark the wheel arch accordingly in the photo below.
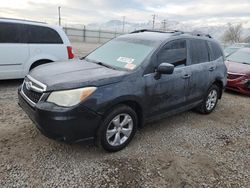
(35, 59)
(39, 62)
(132, 103)
(219, 83)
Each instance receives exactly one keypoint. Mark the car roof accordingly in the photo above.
(28, 22)
(13, 20)
(161, 36)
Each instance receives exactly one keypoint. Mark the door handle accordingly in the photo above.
(186, 76)
(211, 69)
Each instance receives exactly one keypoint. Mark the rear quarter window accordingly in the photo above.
(198, 51)
(214, 51)
(13, 33)
(43, 35)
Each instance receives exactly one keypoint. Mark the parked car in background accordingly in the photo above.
(238, 65)
(25, 45)
(133, 79)
(235, 47)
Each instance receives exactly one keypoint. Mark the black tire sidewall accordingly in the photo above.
(101, 136)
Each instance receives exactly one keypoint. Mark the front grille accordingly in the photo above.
(32, 95)
(32, 90)
(233, 76)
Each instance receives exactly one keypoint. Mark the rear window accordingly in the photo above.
(24, 33)
(12, 33)
(43, 35)
(198, 51)
(214, 51)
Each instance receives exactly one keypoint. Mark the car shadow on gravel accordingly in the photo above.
(234, 93)
(10, 83)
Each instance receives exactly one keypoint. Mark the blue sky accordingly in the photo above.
(195, 12)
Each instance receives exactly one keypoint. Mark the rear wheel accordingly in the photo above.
(210, 101)
(118, 128)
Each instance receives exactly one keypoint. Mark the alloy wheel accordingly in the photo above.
(119, 129)
(211, 100)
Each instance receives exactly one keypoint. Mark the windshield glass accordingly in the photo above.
(122, 54)
(230, 50)
(241, 56)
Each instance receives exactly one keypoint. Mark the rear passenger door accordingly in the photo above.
(199, 66)
(217, 64)
(13, 49)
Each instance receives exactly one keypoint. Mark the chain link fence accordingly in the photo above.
(90, 35)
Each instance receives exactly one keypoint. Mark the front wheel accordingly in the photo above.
(210, 100)
(117, 129)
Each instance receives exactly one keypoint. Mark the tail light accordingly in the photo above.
(70, 52)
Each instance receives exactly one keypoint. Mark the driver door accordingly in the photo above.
(169, 92)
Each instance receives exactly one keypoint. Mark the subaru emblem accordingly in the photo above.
(28, 85)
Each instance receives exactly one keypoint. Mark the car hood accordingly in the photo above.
(238, 68)
(75, 74)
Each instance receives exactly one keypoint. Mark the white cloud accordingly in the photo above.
(197, 12)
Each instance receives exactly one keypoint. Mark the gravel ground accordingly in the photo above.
(186, 150)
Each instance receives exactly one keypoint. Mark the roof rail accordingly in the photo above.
(15, 19)
(200, 34)
(175, 32)
(197, 34)
(151, 30)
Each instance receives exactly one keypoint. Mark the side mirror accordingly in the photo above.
(164, 68)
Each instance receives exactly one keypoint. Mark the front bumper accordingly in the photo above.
(67, 124)
(239, 86)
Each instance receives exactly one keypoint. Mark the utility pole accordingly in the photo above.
(164, 24)
(123, 23)
(154, 16)
(59, 15)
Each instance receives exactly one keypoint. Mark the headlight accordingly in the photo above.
(247, 82)
(68, 98)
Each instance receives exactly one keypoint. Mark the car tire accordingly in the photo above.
(210, 100)
(118, 128)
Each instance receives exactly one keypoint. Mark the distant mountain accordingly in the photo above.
(117, 25)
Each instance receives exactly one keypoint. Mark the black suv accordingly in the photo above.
(130, 80)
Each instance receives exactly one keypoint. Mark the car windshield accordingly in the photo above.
(241, 56)
(122, 53)
(230, 50)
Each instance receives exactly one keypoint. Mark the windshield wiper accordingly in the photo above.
(239, 62)
(100, 63)
(244, 63)
(105, 65)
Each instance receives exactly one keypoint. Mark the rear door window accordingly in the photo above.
(13, 33)
(43, 35)
(174, 52)
(214, 51)
(198, 51)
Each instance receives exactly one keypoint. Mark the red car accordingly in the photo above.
(238, 65)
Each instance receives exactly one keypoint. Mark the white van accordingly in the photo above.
(27, 44)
